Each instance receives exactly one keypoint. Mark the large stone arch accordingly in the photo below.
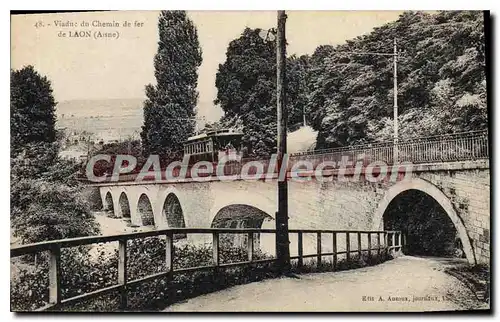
(244, 216)
(262, 204)
(239, 216)
(434, 192)
(172, 211)
(163, 193)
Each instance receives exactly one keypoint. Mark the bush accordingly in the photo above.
(49, 211)
(46, 199)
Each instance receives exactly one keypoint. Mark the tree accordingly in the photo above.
(51, 211)
(170, 104)
(246, 90)
(441, 81)
(32, 109)
(45, 196)
(297, 69)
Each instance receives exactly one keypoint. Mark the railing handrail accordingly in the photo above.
(459, 146)
(123, 283)
(89, 240)
(390, 143)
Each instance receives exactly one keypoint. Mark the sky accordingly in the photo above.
(88, 68)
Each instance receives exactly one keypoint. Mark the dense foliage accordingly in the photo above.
(170, 105)
(246, 90)
(46, 200)
(32, 109)
(348, 97)
(45, 196)
(441, 80)
(125, 147)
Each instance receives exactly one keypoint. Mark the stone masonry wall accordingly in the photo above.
(319, 205)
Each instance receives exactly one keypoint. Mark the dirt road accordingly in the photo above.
(403, 284)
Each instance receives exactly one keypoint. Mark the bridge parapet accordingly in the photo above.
(443, 148)
(451, 148)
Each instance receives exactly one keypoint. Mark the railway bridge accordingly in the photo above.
(452, 170)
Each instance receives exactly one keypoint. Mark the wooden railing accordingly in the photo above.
(392, 241)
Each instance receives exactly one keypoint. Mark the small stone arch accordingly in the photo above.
(145, 210)
(124, 205)
(434, 192)
(172, 214)
(108, 202)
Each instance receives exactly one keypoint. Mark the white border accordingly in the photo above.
(201, 5)
(258, 5)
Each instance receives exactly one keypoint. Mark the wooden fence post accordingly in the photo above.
(250, 247)
(169, 252)
(300, 249)
(378, 245)
(215, 249)
(393, 241)
(334, 246)
(348, 247)
(55, 275)
(359, 245)
(122, 272)
(369, 245)
(318, 249)
(400, 244)
(169, 263)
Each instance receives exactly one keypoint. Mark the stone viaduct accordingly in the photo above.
(462, 189)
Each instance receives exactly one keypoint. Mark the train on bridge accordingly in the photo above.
(213, 145)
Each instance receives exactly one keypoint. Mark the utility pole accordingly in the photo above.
(395, 54)
(304, 115)
(282, 240)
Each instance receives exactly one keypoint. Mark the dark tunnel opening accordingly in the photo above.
(428, 228)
